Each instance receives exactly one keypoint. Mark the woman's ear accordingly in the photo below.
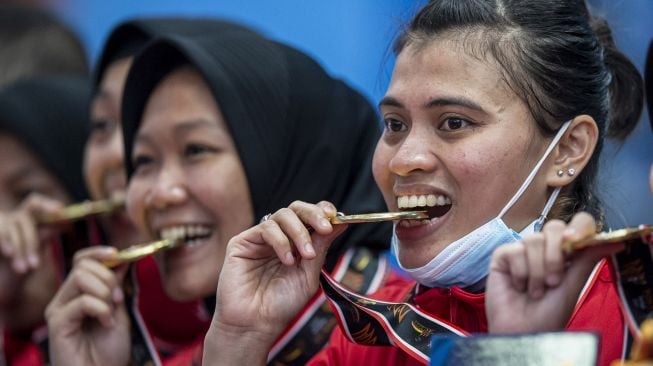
(573, 152)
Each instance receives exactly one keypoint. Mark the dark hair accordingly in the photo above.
(34, 42)
(559, 59)
(49, 114)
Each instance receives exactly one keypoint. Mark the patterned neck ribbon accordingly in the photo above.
(360, 269)
(380, 323)
(634, 271)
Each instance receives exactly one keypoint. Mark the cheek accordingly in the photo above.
(380, 163)
(92, 171)
(224, 189)
(486, 177)
(135, 204)
(381, 172)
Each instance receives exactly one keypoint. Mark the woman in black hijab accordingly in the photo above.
(648, 82)
(43, 127)
(104, 172)
(221, 129)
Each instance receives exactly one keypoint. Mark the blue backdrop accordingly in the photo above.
(352, 38)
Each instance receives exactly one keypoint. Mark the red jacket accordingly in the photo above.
(597, 310)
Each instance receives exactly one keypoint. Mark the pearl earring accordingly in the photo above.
(560, 172)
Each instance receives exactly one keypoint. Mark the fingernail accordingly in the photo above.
(33, 260)
(308, 248)
(569, 233)
(290, 258)
(553, 279)
(325, 223)
(537, 293)
(108, 250)
(19, 265)
(117, 295)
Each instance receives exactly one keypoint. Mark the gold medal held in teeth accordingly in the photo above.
(139, 251)
(341, 218)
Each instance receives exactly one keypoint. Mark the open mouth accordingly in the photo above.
(435, 205)
(190, 234)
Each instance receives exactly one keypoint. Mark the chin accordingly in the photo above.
(187, 287)
(414, 256)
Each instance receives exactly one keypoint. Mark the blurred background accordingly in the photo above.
(352, 40)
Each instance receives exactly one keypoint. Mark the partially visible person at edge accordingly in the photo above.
(104, 171)
(494, 108)
(222, 128)
(43, 126)
(37, 43)
(648, 81)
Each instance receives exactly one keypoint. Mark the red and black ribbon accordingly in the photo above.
(380, 323)
(634, 270)
(361, 269)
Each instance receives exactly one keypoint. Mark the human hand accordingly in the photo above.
(87, 319)
(20, 236)
(532, 286)
(270, 271)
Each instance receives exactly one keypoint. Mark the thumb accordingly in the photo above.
(40, 206)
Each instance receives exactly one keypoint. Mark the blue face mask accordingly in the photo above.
(465, 262)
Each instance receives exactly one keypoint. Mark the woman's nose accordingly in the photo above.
(168, 190)
(416, 153)
(114, 153)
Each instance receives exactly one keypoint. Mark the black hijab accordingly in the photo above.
(300, 134)
(129, 37)
(49, 114)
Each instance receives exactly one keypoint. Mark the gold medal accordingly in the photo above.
(611, 237)
(340, 218)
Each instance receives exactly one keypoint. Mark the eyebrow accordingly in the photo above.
(182, 128)
(190, 125)
(442, 101)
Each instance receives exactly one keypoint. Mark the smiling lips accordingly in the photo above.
(435, 205)
(193, 234)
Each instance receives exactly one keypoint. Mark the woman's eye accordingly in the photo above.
(197, 149)
(394, 125)
(454, 123)
(141, 161)
(101, 126)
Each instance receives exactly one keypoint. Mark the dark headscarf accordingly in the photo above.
(129, 37)
(50, 116)
(300, 134)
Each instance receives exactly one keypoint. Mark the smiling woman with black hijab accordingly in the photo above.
(43, 127)
(221, 129)
(104, 171)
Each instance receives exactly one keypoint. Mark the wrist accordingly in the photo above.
(230, 345)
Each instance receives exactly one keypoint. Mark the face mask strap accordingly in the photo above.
(531, 176)
(540, 220)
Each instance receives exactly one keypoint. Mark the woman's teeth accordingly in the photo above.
(430, 200)
(435, 205)
(191, 234)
